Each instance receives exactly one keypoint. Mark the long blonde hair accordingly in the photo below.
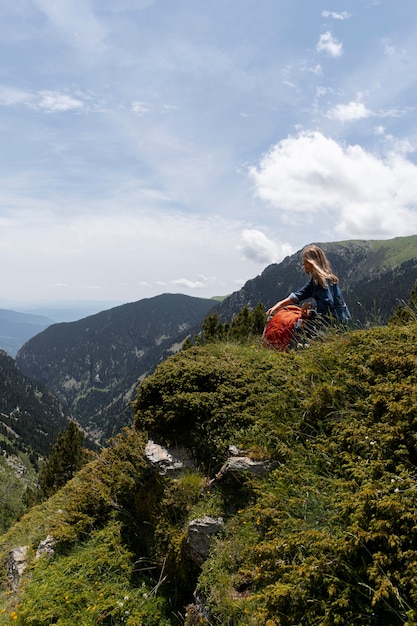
(322, 271)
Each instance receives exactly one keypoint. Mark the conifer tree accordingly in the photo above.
(66, 458)
(212, 327)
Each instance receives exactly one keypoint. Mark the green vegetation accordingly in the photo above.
(397, 250)
(328, 536)
(12, 495)
(67, 456)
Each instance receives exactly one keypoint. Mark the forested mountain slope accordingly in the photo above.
(95, 364)
(30, 419)
(324, 535)
(30, 415)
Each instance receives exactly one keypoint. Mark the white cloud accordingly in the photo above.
(10, 96)
(200, 283)
(49, 101)
(348, 190)
(53, 102)
(140, 108)
(349, 112)
(256, 246)
(336, 16)
(329, 44)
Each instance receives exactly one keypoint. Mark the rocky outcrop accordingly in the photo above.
(18, 560)
(16, 565)
(199, 537)
(170, 461)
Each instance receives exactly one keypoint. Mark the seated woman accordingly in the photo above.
(322, 286)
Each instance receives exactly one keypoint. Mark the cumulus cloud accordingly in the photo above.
(349, 112)
(329, 44)
(336, 16)
(256, 246)
(353, 192)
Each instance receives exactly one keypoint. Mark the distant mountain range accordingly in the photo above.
(16, 328)
(95, 365)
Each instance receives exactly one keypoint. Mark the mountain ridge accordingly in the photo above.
(375, 276)
(94, 365)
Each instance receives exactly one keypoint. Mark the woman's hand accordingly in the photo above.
(279, 306)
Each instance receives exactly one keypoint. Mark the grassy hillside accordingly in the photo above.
(328, 536)
(397, 250)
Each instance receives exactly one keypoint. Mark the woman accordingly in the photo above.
(323, 287)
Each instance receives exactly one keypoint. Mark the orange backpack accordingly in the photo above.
(279, 329)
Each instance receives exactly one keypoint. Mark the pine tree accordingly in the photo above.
(66, 458)
(212, 328)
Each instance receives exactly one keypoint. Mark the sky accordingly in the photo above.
(182, 146)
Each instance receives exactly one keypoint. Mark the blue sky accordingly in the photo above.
(152, 146)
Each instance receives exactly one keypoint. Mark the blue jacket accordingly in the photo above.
(329, 300)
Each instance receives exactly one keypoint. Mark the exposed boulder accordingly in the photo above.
(16, 565)
(200, 535)
(168, 460)
(18, 560)
(240, 462)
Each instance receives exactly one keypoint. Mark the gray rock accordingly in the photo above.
(168, 460)
(16, 565)
(200, 535)
(46, 547)
(239, 464)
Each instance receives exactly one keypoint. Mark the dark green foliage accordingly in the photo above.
(30, 415)
(406, 311)
(244, 325)
(12, 491)
(203, 397)
(213, 329)
(67, 456)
